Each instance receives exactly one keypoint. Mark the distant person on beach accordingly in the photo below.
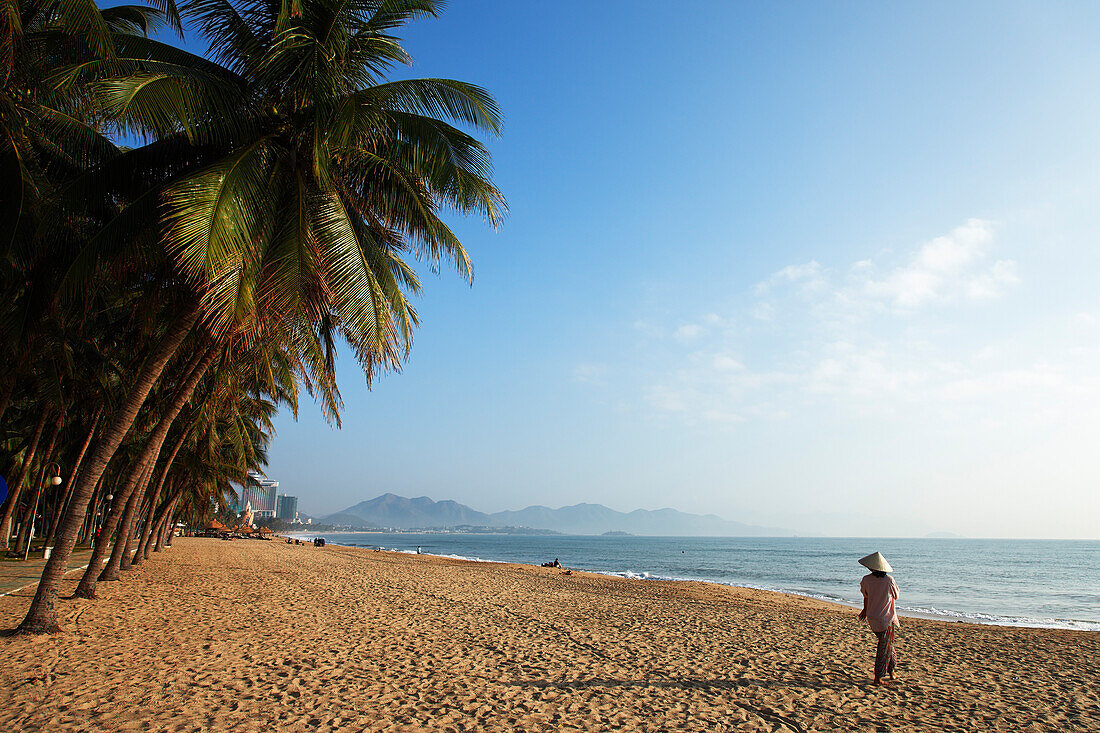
(879, 594)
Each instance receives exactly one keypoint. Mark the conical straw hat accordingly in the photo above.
(875, 561)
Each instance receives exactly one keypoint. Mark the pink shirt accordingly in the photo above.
(880, 594)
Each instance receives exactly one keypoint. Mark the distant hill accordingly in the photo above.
(391, 510)
(595, 519)
(397, 512)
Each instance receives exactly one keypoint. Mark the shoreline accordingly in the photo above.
(256, 636)
(951, 617)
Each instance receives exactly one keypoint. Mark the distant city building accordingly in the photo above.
(260, 495)
(287, 508)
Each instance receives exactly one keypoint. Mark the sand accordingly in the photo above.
(212, 635)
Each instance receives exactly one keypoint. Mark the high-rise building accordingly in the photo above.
(261, 495)
(287, 507)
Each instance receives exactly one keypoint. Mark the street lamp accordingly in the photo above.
(99, 514)
(55, 480)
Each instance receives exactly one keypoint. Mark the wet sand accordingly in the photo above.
(259, 636)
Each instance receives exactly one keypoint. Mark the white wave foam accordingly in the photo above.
(911, 611)
(915, 611)
(995, 620)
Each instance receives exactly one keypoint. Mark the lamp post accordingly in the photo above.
(106, 502)
(55, 480)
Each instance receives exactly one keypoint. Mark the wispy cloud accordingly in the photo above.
(810, 275)
(854, 337)
(689, 332)
(590, 373)
(948, 268)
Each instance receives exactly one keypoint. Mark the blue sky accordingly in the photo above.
(824, 266)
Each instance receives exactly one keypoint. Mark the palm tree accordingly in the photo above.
(282, 177)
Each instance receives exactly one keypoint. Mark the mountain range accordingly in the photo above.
(397, 512)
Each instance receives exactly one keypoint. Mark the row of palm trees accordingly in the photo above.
(163, 299)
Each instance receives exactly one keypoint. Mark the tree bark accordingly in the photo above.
(27, 518)
(143, 547)
(117, 523)
(138, 526)
(86, 588)
(142, 537)
(153, 542)
(42, 615)
(27, 526)
(16, 489)
(169, 526)
(72, 478)
(170, 530)
(89, 516)
(160, 516)
(120, 558)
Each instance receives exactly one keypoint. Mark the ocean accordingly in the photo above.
(1041, 583)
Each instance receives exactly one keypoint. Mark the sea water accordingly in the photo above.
(1043, 583)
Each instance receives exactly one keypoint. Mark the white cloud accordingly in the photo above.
(854, 339)
(664, 398)
(809, 274)
(712, 319)
(1037, 379)
(589, 373)
(763, 311)
(689, 331)
(945, 269)
(724, 363)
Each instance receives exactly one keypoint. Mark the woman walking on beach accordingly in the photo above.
(879, 594)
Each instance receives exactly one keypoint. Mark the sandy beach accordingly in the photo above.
(257, 636)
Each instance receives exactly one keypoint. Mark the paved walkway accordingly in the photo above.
(18, 574)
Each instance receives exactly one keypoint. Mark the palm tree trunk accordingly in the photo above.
(27, 526)
(138, 526)
(155, 535)
(167, 524)
(160, 516)
(120, 553)
(17, 488)
(149, 456)
(117, 523)
(143, 548)
(121, 509)
(142, 537)
(86, 526)
(170, 530)
(42, 615)
(110, 525)
(72, 478)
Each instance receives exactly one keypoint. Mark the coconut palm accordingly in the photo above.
(283, 178)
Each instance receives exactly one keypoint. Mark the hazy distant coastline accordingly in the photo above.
(397, 513)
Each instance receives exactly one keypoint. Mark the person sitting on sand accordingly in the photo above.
(879, 594)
